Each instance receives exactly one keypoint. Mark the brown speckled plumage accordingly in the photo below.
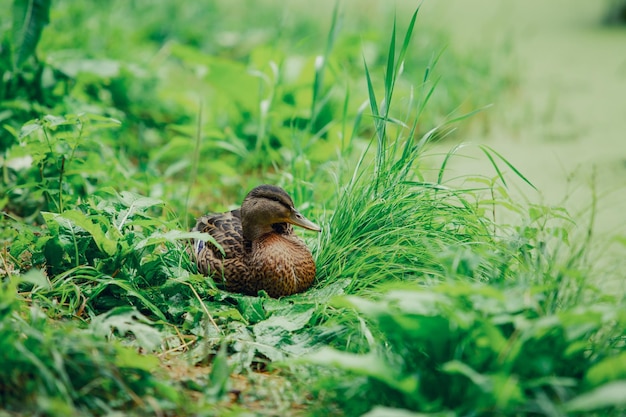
(261, 251)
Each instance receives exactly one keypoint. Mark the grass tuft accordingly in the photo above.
(432, 298)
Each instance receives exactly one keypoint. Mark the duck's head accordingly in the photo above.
(267, 206)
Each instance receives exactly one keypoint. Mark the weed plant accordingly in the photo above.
(424, 304)
(454, 313)
(56, 368)
(263, 93)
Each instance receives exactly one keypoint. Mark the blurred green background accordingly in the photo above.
(563, 123)
(447, 284)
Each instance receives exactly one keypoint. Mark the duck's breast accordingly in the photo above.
(282, 265)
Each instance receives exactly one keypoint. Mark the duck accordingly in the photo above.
(260, 250)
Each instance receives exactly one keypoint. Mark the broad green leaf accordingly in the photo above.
(290, 322)
(232, 314)
(53, 121)
(80, 219)
(370, 365)
(101, 122)
(230, 77)
(219, 378)
(507, 390)
(380, 411)
(136, 201)
(252, 309)
(29, 19)
(458, 367)
(29, 128)
(131, 291)
(103, 68)
(365, 306)
(610, 369)
(416, 302)
(173, 236)
(128, 358)
(37, 278)
(126, 320)
(279, 336)
(608, 395)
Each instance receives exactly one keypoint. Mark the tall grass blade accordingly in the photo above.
(407, 40)
(446, 159)
(194, 166)
(495, 166)
(390, 72)
(320, 67)
(488, 151)
(379, 125)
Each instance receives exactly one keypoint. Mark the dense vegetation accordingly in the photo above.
(121, 121)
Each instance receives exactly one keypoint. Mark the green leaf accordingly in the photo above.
(290, 322)
(380, 411)
(607, 396)
(37, 278)
(278, 336)
(230, 77)
(29, 128)
(251, 309)
(29, 19)
(371, 365)
(609, 369)
(219, 377)
(172, 236)
(136, 201)
(458, 367)
(405, 43)
(133, 202)
(80, 219)
(488, 151)
(103, 68)
(52, 121)
(232, 314)
(127, 320)
(320, 67)
(130, 291)
(100, 122)
(129, 358)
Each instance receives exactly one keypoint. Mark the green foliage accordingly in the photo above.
(265, 105)
(493, 349)
(56, 368)
(29, 19)
(21, 75)
(481, 318)
(424, 302)
(107, 250)
(66, 163)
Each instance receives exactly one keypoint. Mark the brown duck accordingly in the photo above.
(261, 251)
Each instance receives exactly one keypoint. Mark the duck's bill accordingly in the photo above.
(299, 220)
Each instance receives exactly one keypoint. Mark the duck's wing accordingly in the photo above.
(226, 229)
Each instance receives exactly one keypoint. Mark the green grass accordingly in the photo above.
(426, 302)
